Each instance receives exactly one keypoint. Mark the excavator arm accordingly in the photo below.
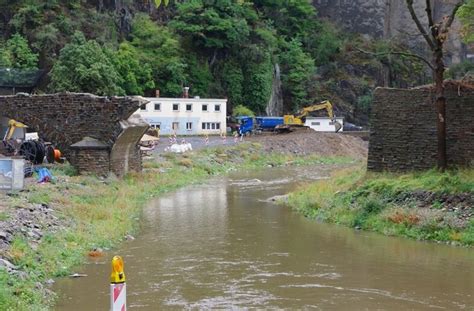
(12, 126)
(322, 105)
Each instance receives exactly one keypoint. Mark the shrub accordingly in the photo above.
(241, 110)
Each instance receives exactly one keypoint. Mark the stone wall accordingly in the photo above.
(66, 118)
(94, 161)
(403, 128)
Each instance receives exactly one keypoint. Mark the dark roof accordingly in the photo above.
(89, 143)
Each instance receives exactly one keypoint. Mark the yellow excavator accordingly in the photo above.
(10, 145)
(31, 150)
(12, 126)
(292, 122)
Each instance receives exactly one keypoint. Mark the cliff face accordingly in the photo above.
(390, 19)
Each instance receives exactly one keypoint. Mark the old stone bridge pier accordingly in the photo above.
(96, 134)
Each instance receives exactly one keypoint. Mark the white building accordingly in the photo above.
(185, 116)
(323, 124)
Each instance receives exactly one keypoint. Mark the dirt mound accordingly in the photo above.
(311, 142)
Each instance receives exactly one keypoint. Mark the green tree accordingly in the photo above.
(258, 74)
(466, 15)
(17, 54)
(49, 25)
(241, 110)
(84, 66)
(135, 77)
(232, 81)
(291, 18)
(158, 47)
(5, 61)
(327, 43)
(214, 26)
(297, 70)
(199, 76)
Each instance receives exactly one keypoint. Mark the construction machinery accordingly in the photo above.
(31, 150)
(10, 144)
(292, 122)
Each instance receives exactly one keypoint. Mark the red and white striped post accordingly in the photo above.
(175, 138)
(118, 287)
(224, 138)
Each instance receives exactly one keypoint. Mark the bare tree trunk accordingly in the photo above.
(439, 32)
(441, 114)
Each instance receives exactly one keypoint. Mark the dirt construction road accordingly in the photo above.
(302, 143)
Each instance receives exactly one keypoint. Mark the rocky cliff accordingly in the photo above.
(390, 19)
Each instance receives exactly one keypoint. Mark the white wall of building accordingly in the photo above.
(320, 124)
(186, 116)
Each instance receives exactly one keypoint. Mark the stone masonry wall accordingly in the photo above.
(126, 149)
(66, 118)
(403, 128)
(91, 161)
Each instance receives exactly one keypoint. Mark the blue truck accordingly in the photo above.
(268, 123)
(246, 125)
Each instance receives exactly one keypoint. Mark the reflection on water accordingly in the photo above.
(222, 246)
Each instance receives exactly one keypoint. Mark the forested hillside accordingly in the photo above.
(267, 55)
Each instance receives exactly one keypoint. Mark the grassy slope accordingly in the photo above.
(101, 213)
(371, 202)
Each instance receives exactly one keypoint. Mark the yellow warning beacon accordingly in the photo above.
(118, 275)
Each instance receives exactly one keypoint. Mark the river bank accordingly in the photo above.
(429, 206)
(48, 229)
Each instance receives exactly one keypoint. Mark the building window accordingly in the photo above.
(211, 126)
(331, 123)
(189, 107)
(157, 106)
(189, 126)
(175, 126)
(204, 107)
(217, 108)
(315, 123)
(175, 107)
(143, 108)
(155, 126)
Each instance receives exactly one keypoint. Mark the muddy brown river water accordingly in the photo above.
(223, 246)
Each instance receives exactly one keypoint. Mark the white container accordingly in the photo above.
(12, 174)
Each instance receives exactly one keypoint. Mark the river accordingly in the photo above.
(223, 245)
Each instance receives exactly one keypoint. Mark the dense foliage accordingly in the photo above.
(220, 48)
(84, 66)
(466, 14)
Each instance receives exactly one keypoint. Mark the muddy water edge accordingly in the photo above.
(224, 245)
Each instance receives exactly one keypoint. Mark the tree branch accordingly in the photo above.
(451, 17)
(418, 24)
(419, 57)
(429, 13)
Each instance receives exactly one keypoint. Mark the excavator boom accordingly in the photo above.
(298, 119)
(12, 126)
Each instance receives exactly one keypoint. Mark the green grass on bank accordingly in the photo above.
(384, 203)
(99, 213)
